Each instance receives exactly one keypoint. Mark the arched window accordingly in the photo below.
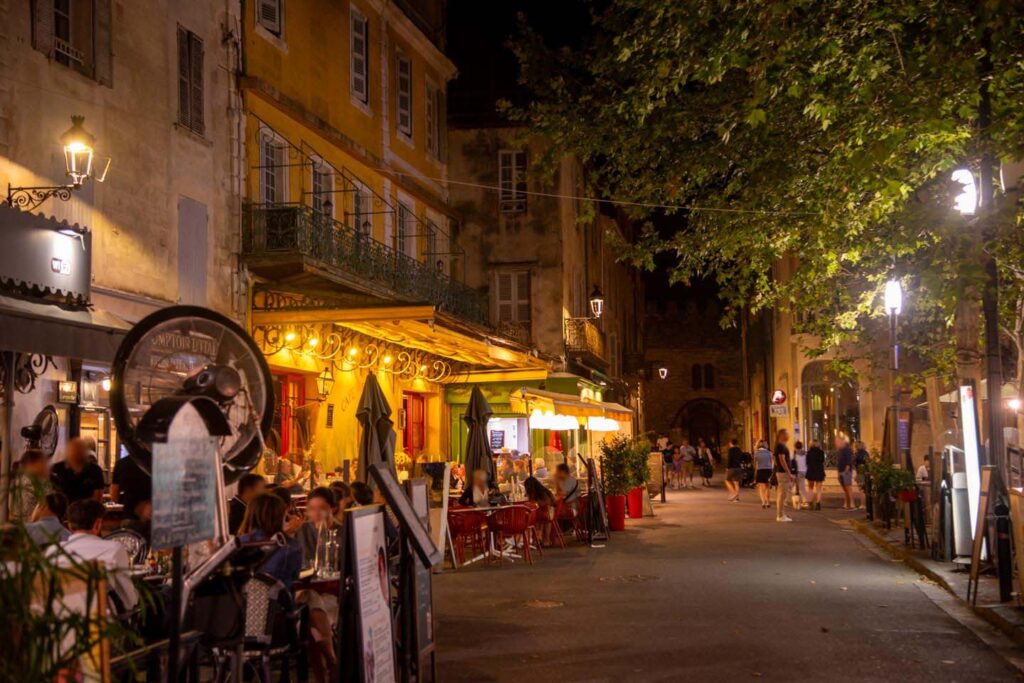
(695, 376)
(709, 376)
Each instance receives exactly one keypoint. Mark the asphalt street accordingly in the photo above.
(706, 591)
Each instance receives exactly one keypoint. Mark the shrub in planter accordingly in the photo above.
(619, 470)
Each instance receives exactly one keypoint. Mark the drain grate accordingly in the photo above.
(630, 578)
(544, 604)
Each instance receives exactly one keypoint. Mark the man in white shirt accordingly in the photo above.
(85, 518)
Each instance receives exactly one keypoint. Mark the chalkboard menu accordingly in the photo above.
(418, 496)
(497, 439)
(184, 491)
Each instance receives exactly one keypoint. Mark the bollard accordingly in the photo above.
(1004, 556)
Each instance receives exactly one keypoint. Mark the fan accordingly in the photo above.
(192, 351)
(43, 432)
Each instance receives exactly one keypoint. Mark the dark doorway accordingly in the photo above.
(704, 418)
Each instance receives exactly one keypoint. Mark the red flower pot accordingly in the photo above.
(636, 503)
(616, 512)
(907, 496)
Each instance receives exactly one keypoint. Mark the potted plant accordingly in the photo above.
(903, 484)
(640, 466)
(618, 471)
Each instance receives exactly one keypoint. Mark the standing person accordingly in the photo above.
(130, 486)
(783, 475)
(734, 470)
(860, 463)
(76, 477)
(662, 441)
(815, 474)
(31, 485)
(800, 461)
(844, 467)
(249, 486)
(688, 456)
(705, 462)
(668, 463)
(763, 476)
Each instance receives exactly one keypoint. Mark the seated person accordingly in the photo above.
(567, 488)
(537, 493)
(266, 516)
(85, 519)
(320, 506)
(343, 496)
(540, 468)
(47, 524)
(478, 494)
(249, 486)
(361, 493)
(31, 484)
(323, 607)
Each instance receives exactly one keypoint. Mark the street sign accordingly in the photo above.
(778, 397)
(778, 410)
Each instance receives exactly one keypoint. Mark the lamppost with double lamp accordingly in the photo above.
(78, 162)
(893, 305)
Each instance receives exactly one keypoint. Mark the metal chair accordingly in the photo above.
(514, 522)
(132, 541)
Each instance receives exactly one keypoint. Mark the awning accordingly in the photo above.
(527, 400)
(616, 411)
(417, 327)
(32, 327)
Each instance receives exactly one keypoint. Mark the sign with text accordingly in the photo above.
(779, 410)
(184, 491)
(372, 593)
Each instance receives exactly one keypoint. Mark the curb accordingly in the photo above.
(989, 614)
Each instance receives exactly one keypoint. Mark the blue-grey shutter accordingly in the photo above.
(192, 251)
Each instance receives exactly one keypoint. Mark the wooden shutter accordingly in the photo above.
(103, 57)
(442, 126)
(522, 296)
(359, 83)
(196, 68)
(404, 96)
(193, 234)
(184, 89)
(42, 26)
(505, 298)
(270, 15)
(430, 116)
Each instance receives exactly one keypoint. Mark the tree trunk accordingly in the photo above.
(966, 326)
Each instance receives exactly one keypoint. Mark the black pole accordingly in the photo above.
(407, 605)
(1004, 556)
(174, 622)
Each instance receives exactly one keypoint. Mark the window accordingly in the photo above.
(361, 217)
(76, 34)
(273, 178)
(404, 101)
(190, 81)
(695, 377)
(359, 67)
(512, 180)
(433, 121)
(322, 195)
(268, 15)
(405, 240)
(709, 376)
(512, 297)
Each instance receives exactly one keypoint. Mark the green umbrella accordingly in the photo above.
(478, 449)
(377, 443)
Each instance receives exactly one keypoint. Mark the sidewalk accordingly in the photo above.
(1008, 617)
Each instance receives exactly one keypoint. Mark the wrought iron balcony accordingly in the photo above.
(584, 338)
(517, 331)
(286, 240)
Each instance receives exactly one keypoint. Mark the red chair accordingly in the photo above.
(532, 536)
(580, 523)
(565, 517)
(545, 523)
(467, 528)
(513, 523)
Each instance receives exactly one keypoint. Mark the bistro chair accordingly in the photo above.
(581, 525)
(467, 528)
(544, 522)
(512, 523)
(532, 536)
(132, 541)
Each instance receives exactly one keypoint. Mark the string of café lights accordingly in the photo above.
(599, 200)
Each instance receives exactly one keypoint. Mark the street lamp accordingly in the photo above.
(79, 148)
(967, 201)
(893, 305)
(663, 372)
(325, 382)
(597, 302)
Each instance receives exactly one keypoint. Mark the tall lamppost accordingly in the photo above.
(893, 305)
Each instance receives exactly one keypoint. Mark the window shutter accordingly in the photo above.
(198, 123)
(42, 26)
(405, 96)
(184, 97)
(442, 125)
(359, 48)
(103, 59)
(430, 114)
(504, 298)
(523, 297)
(270, 15)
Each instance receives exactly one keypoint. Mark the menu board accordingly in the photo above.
(184, 491)
(417, 489)
(373, 594)
(497, 439)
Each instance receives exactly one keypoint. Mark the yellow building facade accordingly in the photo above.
(346, 230)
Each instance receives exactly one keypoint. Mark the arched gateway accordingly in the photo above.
(703, 418)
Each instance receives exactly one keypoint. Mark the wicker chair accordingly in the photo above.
(132, 541)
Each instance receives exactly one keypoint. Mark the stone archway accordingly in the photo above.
(703, 418)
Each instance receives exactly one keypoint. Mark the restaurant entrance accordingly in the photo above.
(414, 435)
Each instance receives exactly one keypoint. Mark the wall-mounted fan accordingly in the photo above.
(193, 351)
(43, 433)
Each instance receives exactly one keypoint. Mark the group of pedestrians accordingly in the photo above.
(682, 462)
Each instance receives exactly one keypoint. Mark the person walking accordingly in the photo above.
(815, 474)
(801, 497)
(763, 476)
(705, 462)
(668, 463)
(844, 467)
(689, 456)
(783, 475)
(734, 470)
(860, 464)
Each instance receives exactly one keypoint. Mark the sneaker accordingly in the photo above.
(736, 499)
(784, 518)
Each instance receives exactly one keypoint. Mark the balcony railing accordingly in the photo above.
(516, 330)
(583, 337)
(271, 230)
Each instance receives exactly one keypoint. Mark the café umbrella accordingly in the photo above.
(377, 443)
(478, 449)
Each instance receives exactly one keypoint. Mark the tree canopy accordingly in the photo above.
(819, 132)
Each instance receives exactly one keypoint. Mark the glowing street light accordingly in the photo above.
(893, 297)
(967, 201)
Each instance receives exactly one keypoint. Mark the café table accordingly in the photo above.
(508, 552)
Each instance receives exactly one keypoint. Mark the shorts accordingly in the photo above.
(687, 467)
(734, 474)
(846, 478)
(763, 476)
(677, 465)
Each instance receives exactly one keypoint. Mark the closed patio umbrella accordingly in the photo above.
(377, 443)
(478, 448)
